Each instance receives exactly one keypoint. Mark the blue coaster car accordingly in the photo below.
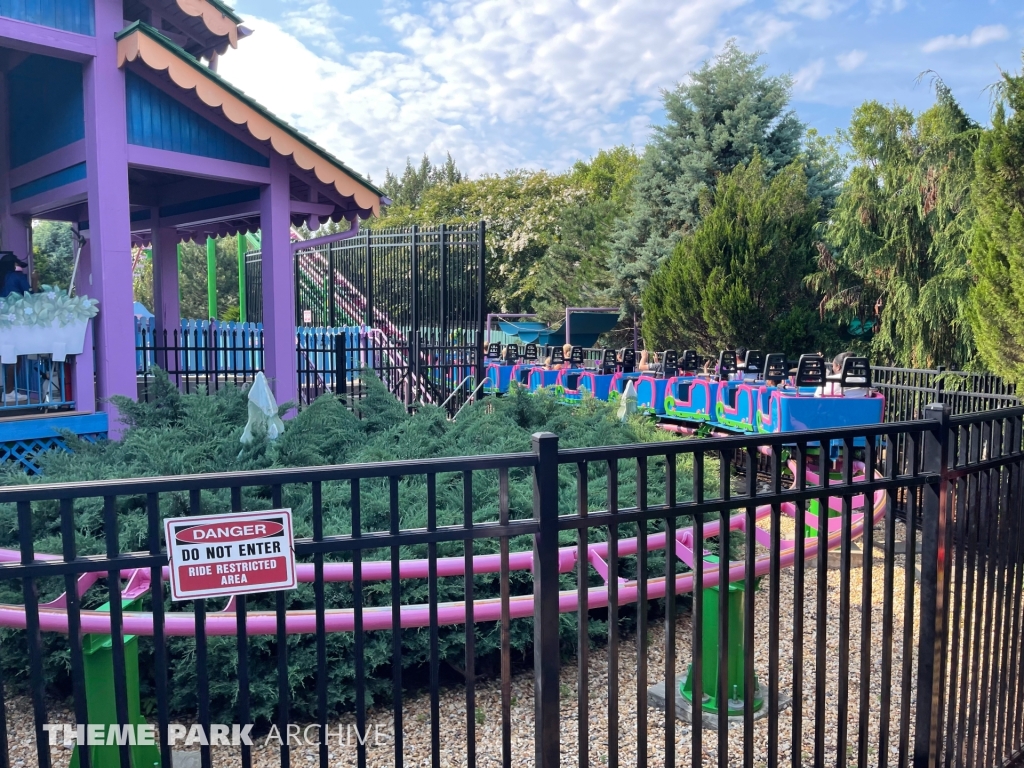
(567, 385)
(498, 378)
(821, 402)
(650, 393)
(690, 398)
(736, 407)
(597, 384)
(739, 402)
(609, 379)
(503, 366)
(542, 377)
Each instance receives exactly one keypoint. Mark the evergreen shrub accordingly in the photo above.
(180, 434)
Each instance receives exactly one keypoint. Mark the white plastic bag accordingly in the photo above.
(262, 410)
(627, 405)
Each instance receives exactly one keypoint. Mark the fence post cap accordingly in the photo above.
(940, 412)
(541, 438)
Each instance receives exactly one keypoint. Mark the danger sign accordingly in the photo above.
(234, 554)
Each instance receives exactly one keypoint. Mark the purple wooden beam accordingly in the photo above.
(58, 160)
(14, 230)
(166, 296)
(314, 209)
(35, 38)
(59, 197)
(198, 219)
(302, 245)
(278, 284)
(109, 219)
(193, 165)
(83, 371)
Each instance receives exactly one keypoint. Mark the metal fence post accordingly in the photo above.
(481, 298)
(340, 365)
(547, 718)
(935, 566)
(368, 318)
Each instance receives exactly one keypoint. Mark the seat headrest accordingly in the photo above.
(776, 366)
(753, 362)
(494, 351)
(727, 362)
(576, 356)
(531, 352)
(856, 372)
(689, 361)
(512, 354)
(810, 371)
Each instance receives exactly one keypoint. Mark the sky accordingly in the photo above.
(505, 84)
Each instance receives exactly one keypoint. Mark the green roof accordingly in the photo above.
(151, 32)
(226, 10)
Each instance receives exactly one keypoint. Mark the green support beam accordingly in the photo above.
(241, 278)
(98, 653)
(735, 596)
(211, 276)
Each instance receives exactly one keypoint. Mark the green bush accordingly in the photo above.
(181, 434)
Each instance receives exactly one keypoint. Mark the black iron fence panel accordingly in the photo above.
(410, 283)
(613, 557)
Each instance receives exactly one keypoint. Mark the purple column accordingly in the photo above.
(106, 147)
(166, 297)
(15, 232)
(278, 283)
(166, 294)
(83, 372)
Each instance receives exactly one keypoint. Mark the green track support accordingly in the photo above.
(211, 276)
(241, 278)
(736, 594)
(98, 651)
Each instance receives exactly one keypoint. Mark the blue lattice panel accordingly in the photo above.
(23, 440)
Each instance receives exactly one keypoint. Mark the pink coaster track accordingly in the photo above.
(53, 616)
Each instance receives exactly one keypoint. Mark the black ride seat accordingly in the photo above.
(776, 366)
(810, 371)
(726, 363)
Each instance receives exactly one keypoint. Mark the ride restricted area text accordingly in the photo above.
(222, 555)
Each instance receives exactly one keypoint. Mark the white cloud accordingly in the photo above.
(980, 36)
(499, 83)
(814, 9)
(807, 77)
(851, 60)
(316, 21)
(881, 6)
(766, 28)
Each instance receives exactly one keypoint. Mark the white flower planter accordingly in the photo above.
(54, 339)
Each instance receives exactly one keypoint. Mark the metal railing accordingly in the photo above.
(35, 383)
(883, 669)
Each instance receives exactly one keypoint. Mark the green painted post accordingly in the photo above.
(98, 652)
(241, 278)
(211, 276)
(710, 643)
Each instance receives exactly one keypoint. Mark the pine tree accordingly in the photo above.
(728, 111)
(736, 281)
(407, 191)
(897, 242)
(997, 299)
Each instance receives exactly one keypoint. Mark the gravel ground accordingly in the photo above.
(488, 717)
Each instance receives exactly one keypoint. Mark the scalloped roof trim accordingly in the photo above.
(139, 46)
(218, 22)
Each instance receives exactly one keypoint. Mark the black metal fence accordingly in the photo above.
(867, 666)
(400, 280)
